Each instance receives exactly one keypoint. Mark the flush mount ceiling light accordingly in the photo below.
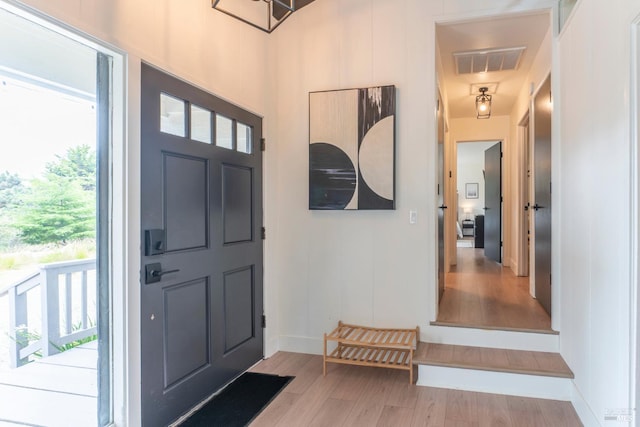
(265, 15)
(483, 104)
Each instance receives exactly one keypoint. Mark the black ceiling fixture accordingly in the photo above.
(483, 104)
(265, 15)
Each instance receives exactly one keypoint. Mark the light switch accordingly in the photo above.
(413, 216)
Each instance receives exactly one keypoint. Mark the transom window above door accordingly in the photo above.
(181, 118)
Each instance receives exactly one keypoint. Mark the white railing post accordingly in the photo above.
(49, 290)
(17, 319)
(51, 338)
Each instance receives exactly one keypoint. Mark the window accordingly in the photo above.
(172, 115)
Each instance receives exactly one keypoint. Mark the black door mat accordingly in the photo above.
(240, 402)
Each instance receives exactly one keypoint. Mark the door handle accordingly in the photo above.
(536, 207)
(485, 208)
(443, 207)
(153, 273)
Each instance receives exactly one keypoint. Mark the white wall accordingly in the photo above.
(592, 194)
(364, 267)
(470, 169)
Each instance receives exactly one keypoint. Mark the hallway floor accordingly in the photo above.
(481, 293)
(365, 396)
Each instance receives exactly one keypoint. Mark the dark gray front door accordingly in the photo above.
(493, 203)
(443, 207)
(542, 194)
(201, 278)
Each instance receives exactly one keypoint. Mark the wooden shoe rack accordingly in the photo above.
(367, 346)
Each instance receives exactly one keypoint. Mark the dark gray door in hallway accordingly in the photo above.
(493, 202)
(201, 243)
(442, 208)
(542, 194)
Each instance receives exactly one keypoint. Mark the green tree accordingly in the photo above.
(78, 164)
(11, 190)
(56, 210)
(11, 193)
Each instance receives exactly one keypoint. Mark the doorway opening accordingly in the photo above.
(489, 255)
(57, 219)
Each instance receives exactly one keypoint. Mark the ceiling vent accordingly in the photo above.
(488, 60)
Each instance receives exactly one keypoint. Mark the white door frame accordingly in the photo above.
(119, 209)
(634, 253)
(523, 258)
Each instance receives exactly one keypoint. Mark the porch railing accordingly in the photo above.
(50, 339)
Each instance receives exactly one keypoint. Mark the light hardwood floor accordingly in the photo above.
(479, 292)
(492, 359)
(363, 396)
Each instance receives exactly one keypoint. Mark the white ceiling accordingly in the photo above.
(495, 33)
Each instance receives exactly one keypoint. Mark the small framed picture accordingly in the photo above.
(471, 190)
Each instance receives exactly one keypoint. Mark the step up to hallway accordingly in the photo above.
(494, 370)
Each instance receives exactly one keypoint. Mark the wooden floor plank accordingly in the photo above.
(311, 400)
(522, 359)
(431, 407)
(550, 362)
(493, 410)
(401, 394)
(383, 397)
(558, 413)
(371, 399)
(306, 375)
(276, 410)
(525, 412)
(356, 378)
(480, 292)
(461, 406)
(332, 413)
(394, 416)
(494, 357)
(500, 360)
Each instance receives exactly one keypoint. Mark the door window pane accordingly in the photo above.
(224, 132)
(200, 124)
(172, 115)
(244, 138)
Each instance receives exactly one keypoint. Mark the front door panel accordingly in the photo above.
(201, 247)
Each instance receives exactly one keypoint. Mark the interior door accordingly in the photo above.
(493, 202)
(542, 194)
(441, 204)
(201, 278)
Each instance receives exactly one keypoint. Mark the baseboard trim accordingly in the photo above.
(271, 347)
(583, 409)
(301, 344)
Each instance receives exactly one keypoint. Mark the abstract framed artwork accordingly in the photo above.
(352, 149)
